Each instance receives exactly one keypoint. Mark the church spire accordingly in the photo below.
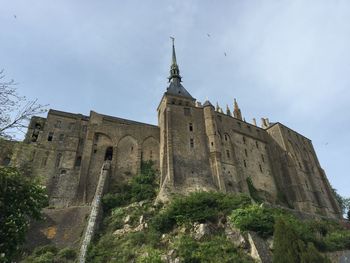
(236, 110)
(174, 68)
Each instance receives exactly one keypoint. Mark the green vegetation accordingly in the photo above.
(20, 200)
(253, 191)
(50, 254)
(198, 207)
(325, 235)
(214, 249)
(135, 231)
(141, 187)
(289, 248)
(255, 218)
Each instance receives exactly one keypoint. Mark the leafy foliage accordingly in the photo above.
(253, 191)
(141, 187)
(344, 203)
(255, 218)
(215, 249)
(289, 248)
(198, 207)
(20, 200)
(50, 254)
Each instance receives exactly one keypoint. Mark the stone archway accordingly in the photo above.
(127, 157)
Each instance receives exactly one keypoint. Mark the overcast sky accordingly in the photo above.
(285, 60)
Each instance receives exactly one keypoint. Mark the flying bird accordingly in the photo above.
(208, 35)
(14, 16)
(225, 54)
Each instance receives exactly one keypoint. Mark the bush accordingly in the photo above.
(337, 240)
(67, 253)
(288, 247)
(44, 249)
(152, 256)
(141, 187)
(198, 207)
(254, 218)
(215, 249)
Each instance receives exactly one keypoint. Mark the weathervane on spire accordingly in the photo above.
(174, 68)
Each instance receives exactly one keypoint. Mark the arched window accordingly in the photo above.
(109, 153)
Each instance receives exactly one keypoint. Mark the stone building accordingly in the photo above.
(195, 147)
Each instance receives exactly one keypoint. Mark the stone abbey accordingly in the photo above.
(194, 147)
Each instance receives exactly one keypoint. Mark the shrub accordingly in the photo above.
(254, 218)
(67, 253)
(337, 240)
(253, 191)
(152, 256)
(215, 249)
(290, 248)
(44, 249)
(198, 207)
(141, 187)
(311, 255)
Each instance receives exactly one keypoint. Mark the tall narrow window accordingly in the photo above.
(78, 161)
(225, 137)
(244, 140)
(262, 158)
(50, 136)
(260, 167)
(256, 144)
(228, 153)
(246, 152)
(190, 126)
(245, 163)
(151, 155)
(191, 143)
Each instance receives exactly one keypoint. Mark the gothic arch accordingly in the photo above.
(150, 150)
(127, 156)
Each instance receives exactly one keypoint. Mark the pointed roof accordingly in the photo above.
(175, 86)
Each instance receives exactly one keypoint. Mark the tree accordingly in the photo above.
(20, 200)
(15, 110)
(344, 203)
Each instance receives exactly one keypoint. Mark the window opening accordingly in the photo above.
(109, 153)
(78, 161)
(191, 127)
(50, 137)
(191, 143)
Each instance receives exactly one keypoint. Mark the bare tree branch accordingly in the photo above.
(15, 110)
